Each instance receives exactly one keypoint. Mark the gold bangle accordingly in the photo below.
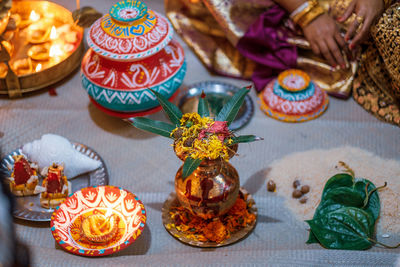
(310, 16)
(387, 3)
(310, 6)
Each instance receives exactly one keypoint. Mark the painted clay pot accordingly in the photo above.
(211, 190)
(131, 52)
(293, 97)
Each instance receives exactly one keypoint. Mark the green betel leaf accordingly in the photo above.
(245, 139)
(346, 196)
(373, 205)
(153, 126)
(173, 112)
(341, 191)
(338, 180)
(345, 228)
(231, 108)
(351, 196)
(312, 239)
(189, 166)
(203, 109)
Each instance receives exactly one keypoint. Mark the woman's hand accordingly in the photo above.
(366, 13)
(324, 38)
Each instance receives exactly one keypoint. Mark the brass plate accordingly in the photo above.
(38, 80)
(244, 232)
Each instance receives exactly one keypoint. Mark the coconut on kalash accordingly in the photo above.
(131, 51)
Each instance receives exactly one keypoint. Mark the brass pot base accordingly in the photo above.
(172, 201)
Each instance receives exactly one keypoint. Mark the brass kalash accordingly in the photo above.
(40, 45)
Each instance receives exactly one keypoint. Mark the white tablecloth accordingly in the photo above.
(145, 164)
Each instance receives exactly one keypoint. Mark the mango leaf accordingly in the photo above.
(245, 139)
(346, 228)
(173, 112)
(231, 108)
(189, 166)
(153, 126)
(203, 109)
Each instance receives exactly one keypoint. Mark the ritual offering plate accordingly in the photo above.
(132, 51)
(293, 97)
(220, 231)
(98, 221)
(29, 207)
(43, 45)
(217, 94)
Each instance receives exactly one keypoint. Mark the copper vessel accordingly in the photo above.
(211, 190)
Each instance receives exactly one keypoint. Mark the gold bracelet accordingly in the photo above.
(387, 3)
(300, 13)
(310, 16)
(301, 8)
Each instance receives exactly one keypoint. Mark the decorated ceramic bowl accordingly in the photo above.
(129, 31)
(120, 213)
(293, 97)
(124, 87)
(132, 52)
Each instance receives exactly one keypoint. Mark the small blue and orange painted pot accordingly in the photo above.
(293, 97)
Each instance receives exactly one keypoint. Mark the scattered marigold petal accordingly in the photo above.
(52, 92)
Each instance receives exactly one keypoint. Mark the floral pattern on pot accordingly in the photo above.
(294, 118)
(108, 199)
(140, 74)
(284, 106)
(135, 100)
(124, 42)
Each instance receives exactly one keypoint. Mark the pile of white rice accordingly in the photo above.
(315, 167)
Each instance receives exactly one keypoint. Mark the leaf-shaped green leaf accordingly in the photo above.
(346, 196)
(338, 180)
(312, 239)
(203, 109)
(244, 139)
(373, 206)
(153, 126)
(341, 191)
(346, 228)
(189, 166)
(231, 108)
(173, 112)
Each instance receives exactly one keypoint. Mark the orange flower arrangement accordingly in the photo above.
(216, 230)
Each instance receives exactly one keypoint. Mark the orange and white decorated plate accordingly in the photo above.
(117, 208)
(293, 80)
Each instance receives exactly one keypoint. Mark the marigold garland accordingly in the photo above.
(202, 137)
(216, 230)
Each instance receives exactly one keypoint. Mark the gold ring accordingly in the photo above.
(360, 19)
